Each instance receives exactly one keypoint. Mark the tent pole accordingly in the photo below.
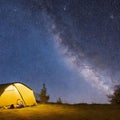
(20, 94)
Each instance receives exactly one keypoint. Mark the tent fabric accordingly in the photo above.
(16, 93)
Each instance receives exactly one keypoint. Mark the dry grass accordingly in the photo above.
(62, 112)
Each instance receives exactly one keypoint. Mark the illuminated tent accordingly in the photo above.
(16, 93)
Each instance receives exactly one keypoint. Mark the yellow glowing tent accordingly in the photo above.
(16, 93)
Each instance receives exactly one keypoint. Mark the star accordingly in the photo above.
(15, 9)
(64, 8)
(112, 16)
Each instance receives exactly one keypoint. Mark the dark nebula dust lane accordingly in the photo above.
(71, 45)
(89, 30)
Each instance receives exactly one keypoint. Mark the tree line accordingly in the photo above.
(113, 99)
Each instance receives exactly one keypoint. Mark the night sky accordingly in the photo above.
(73, 46)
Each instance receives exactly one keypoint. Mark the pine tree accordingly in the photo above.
(43, 97)
(59, 101)
(115, 98)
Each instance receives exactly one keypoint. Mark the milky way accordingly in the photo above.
(82, 34)
(89, 33)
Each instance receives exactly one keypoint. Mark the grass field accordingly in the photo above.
(62, 112)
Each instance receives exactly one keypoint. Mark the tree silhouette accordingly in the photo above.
(59, 101)
(115, 97)
(43, 97)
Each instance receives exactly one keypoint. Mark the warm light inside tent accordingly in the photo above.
(16, 93)
(18, 84)
(10, 88)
